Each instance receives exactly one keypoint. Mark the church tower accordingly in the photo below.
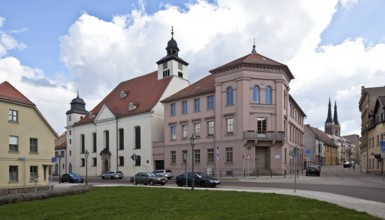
(172, 64)
(332, 125)
(77, 111)
(337, 129)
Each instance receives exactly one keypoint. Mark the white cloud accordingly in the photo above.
(7, 42)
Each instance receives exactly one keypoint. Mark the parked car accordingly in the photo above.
(113, 175)
(347, 164)
(200, 179)
(165, 173)
(147, 178)
(71, 178)
(313, 169)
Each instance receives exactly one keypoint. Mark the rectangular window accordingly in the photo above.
(121, 139)
(210, 155)
(210, 102)
(173, 132)
(94, 162)
(184, 107)
(82, 162)
(173, 157)
(82, 144)
(13, 116)
(138, 139)
(210, 128)
(107, 139)
(197, 105)
(229, 154)
(197, 156)
(261, 125)
(94, 143)
(173, 109)
(33, 172)
(121, 161)
(13, 173)
(33, 145)
(184, 131)
(184, 156)
(229, 125)
(197, 129)
(138, 161)
(13, 144)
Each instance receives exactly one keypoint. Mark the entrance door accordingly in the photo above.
(260, 155)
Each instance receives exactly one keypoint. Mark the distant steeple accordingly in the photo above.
(335, 118)
(329, 118)
(254, 51)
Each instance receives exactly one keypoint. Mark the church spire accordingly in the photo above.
(335, 118)
(254, 51)
(329, 118)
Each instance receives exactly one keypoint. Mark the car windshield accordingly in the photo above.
(151, 174)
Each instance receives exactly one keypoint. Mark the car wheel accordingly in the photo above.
(102, 177)
(162, 184)
(179, 183)
(112, 177)
(151, 182)
(62, 180)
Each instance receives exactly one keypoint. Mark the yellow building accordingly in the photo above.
(27, 141)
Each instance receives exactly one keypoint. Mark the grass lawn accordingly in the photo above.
(162, 203)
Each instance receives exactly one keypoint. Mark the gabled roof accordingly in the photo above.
(203, 86)
(10, 93)
(254, 59)
(322, 136)
(380, 103)
(142, 92)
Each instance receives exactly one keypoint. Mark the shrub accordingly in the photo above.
(74, 190)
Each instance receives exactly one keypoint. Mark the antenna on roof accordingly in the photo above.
(254, 51)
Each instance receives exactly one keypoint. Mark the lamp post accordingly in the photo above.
(59, 166)
(193, 138)
(86, 156)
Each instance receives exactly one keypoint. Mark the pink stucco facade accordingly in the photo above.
(256, 122)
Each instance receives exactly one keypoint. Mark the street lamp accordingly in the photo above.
(86, 156)
(59, 166)
(193, 138)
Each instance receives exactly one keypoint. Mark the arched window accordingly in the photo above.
(256, 94)
(268, 95)
(229, 96)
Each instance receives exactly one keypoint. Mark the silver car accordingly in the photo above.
(113, 175)
(165, 173)
(147, 178)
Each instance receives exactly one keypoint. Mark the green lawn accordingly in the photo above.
(162, 203)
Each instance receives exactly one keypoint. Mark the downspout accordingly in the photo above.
(117, 144)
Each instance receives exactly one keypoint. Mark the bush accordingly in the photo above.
(74, 190)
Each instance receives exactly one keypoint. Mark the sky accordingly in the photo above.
(52, 50)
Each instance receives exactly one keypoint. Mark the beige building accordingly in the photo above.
(244, 119)
(28, 141)
(369, 131)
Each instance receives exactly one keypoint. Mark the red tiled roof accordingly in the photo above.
(143, 91)
(253, 59)
(10, 93)
(205, 85)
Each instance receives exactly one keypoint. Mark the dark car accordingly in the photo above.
(71, 178)
(147, 178)
(200, 179)
(113, 175)
(313, 169)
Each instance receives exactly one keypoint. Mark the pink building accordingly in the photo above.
(243, 116)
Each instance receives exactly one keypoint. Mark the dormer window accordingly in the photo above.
(122, 95)
(165, 65)
(131, 106)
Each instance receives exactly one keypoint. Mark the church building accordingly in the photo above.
(119, 132)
